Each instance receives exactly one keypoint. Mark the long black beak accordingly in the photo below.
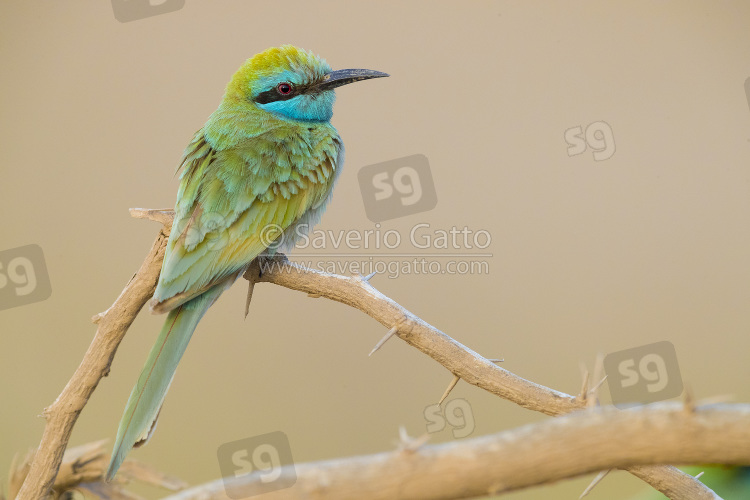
(345, 76)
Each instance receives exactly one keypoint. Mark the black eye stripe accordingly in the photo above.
(273, 94)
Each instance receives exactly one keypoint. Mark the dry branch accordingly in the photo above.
(540, 453)
(83, 468)
(463, 362)
(353, 291)
(112, 325)
(460, 360)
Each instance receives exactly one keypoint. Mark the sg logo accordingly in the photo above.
(397, 188)
(132, 10)
(261, 457)
(458, 414)
(643, 374)
(23, 277)
(598, 136)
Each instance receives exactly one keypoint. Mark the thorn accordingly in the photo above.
(698, 476)
(252, 275)
(596, 481)
(496, 361)
(598, 366)
(98, 317)
(598, 371)
(584, 386)
(382, 341)
(369, 276)
(407, 444)
(598, 385)
(453, 383)
(250, 288)
(687, 400)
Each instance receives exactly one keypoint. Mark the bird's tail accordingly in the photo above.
(145, 401)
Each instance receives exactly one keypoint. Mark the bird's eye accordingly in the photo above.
(284, 88)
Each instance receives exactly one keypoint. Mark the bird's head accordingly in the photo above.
(292, 83)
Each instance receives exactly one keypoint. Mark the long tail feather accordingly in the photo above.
(148, 394)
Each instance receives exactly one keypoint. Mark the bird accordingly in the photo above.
(253, 179)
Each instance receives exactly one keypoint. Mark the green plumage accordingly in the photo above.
(148, 394)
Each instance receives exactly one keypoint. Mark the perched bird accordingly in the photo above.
(260, 171)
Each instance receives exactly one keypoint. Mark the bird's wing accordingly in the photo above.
(233, 203)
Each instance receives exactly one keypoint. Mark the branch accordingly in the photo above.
(463, 362)
(113, 323)
(535, 454)
(458, 359)
(83, 468)
(353, 291)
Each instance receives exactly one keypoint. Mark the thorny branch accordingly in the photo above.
(575, 444)
(461, 361)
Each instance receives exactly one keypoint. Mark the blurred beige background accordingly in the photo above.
(588, 256)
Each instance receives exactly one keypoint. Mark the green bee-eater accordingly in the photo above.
(261, 169)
